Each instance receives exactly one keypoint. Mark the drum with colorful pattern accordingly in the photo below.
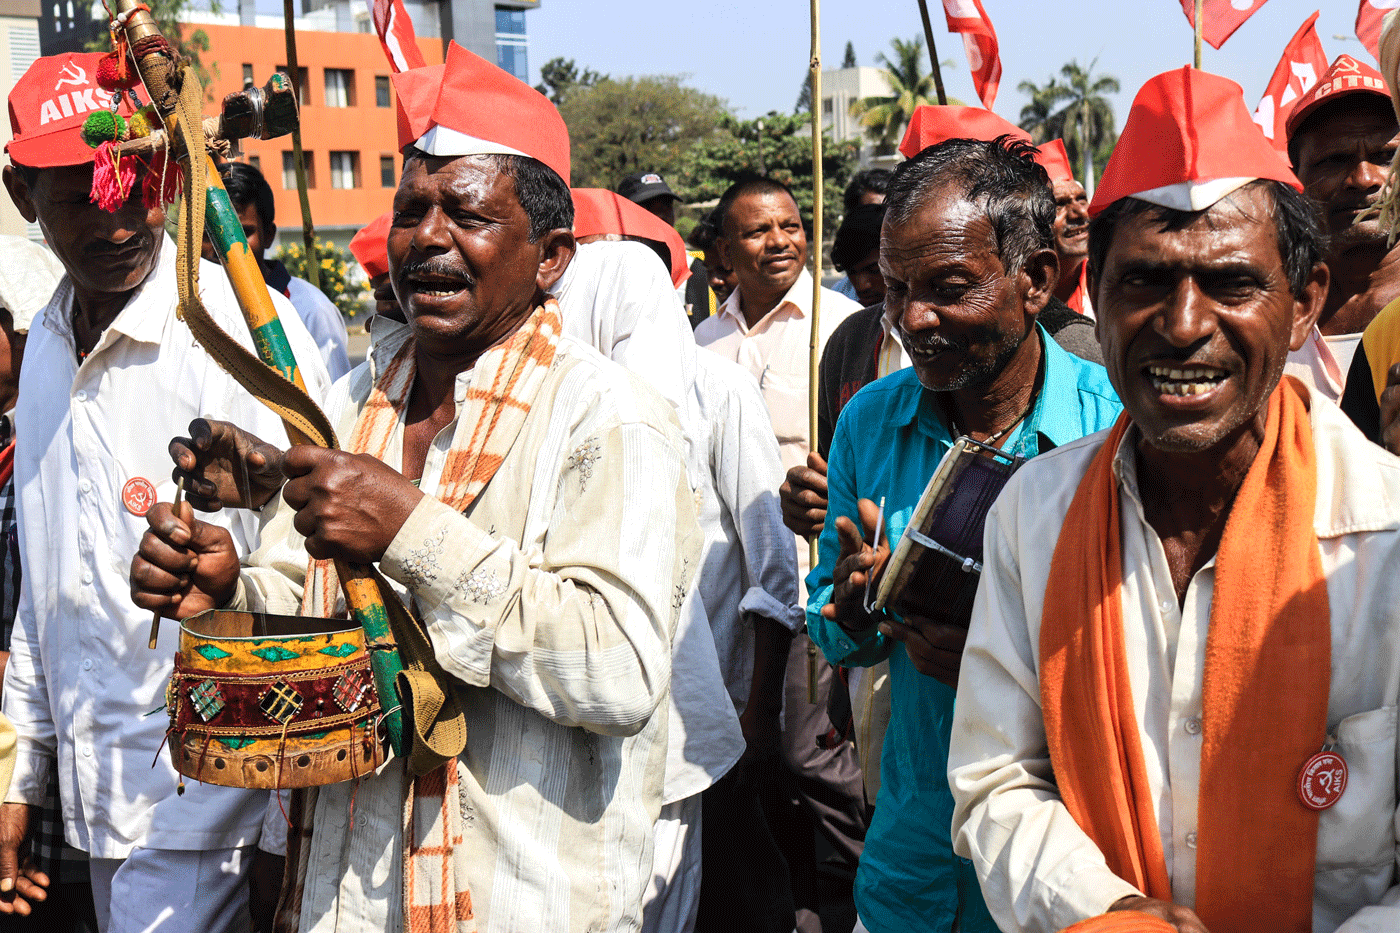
(275, 702)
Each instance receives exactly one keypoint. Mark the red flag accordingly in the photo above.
(980, 40)
(1303, 62)
(1368, 23)
(395, 30)
(1222, 17)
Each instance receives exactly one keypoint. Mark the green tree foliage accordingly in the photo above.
(804, 96)
(627, 125)
(850, 59)
(560, 75)
(715, 162)
(911, 87)
(336, 284)
(1077, 111)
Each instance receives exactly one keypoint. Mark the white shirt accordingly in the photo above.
(81, 682)
(324, 322)
(616, 296)
(1039, 871)
(1324, 361)
(552, 602)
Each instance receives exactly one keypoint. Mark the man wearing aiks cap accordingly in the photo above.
(109, 370)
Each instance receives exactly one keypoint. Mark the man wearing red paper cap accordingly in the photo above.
(530, 498)
(1342, 136)
(1071, 228)
(370, 247)
(1178, 692)
(110, 370)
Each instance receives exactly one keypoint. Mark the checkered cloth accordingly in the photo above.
(53, 856)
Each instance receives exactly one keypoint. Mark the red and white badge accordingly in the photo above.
(1322, 781)
(138, 495)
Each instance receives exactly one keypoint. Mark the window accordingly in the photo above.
(340, 87)
(511, 57)
(303, 94)
(510, 21)
(248, 79)
(387, 177)
(381, 91)
(289, 171)
(256, 163)
(345, 169)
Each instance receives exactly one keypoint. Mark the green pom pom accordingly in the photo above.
(103, 126)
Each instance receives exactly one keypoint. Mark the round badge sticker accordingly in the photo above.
(138, 495)
(1322, 781)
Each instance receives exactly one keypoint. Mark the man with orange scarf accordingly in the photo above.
(1148, 721)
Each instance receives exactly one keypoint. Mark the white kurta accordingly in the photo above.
(552, 601)
(1039, 870)
(81, 683)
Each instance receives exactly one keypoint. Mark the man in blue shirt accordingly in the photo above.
(968, 259)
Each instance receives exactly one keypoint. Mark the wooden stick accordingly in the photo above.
(312, 266)
(1199, 6)
(933, 54)
(814, 340)
(155, 619)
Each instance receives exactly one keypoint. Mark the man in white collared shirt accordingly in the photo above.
(111, 373)
(765, 327)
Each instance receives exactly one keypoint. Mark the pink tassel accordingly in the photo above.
(111, 181)
(161, 170)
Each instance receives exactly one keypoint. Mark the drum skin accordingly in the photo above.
(272, 702)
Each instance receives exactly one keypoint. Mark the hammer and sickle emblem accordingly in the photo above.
(1348, 65)
(71, 74)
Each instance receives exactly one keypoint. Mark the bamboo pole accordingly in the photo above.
(814, 339)
(312, 266)
(1199, 6)
(933, 54)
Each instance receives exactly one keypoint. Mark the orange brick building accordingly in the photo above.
(348, 128)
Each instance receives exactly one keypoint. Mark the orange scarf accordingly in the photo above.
(1266, 681)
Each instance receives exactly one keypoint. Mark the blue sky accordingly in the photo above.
(754, 53)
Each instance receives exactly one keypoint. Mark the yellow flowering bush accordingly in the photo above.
(336, 284)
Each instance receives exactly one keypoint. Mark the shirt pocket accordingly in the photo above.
(785, 394)
(1359, 830)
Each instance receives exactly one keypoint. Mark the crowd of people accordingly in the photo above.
(1073, 614)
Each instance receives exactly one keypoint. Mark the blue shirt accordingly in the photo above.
(888, 442)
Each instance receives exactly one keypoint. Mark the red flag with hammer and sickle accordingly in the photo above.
(980, 41)
(1303, 62)
(1368, 23)
(1220, 18)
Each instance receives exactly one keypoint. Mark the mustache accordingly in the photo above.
(933, 343)
(438, 266)
(100, 247)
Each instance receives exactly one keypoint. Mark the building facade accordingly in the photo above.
(19, 46)
(841, 87)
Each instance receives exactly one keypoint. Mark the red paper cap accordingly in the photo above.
(1346, 76)
(483, 110)
(1188, 142)
(48, 106)
(1055, 160)
(371, 245)
(931, 125)
(597, 210)
(415, 93)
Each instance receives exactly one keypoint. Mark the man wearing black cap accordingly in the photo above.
(649, 190)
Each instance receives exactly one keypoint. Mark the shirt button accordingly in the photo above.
(1168, 605)
(82, 395)
(87, 576)
(87, 750)
(1191, 840)
(85, 486)
(1193, 726)
(87, 664)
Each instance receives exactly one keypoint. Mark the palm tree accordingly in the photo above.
(885, 118)
(1085, 122)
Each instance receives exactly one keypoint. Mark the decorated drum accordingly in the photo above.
(275, 702)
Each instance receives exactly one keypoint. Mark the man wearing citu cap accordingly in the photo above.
(1178, 695)
(530, 498)
(1071, 228)
(109, 371)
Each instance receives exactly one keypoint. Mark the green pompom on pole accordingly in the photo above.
(103, 126)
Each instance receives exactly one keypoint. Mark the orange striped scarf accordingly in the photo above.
(503, 387)
(1266, 680)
